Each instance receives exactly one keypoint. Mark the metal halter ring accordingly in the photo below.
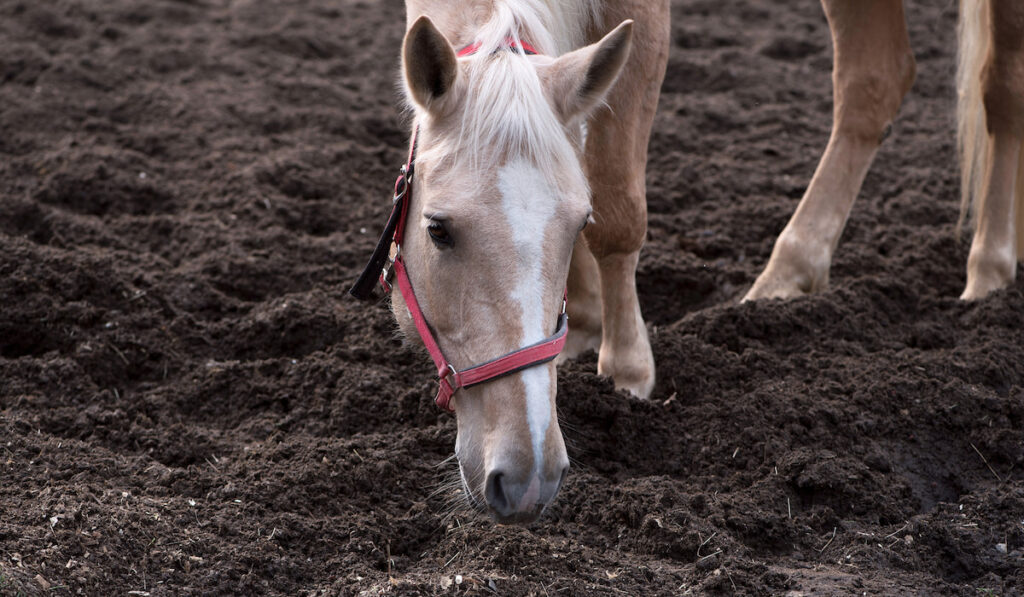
(455, 376)
(405, 180)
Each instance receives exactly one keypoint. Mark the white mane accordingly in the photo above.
(505, 113)
(554, 27)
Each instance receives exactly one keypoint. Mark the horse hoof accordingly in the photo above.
(982, 286)
(987, 273)
(637, 379)
(773, 289)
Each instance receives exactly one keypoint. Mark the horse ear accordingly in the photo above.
(429, 63)
(579, 80)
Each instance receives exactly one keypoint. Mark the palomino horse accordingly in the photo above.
(520, 137)
(872, 71)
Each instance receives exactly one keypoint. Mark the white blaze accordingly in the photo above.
(529, 205)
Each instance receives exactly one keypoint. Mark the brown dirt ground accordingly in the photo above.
(190, 403)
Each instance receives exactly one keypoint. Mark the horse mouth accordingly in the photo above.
(519, 518)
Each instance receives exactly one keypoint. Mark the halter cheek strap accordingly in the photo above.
(387, 259)
(451, 379)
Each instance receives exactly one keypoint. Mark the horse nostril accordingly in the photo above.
(494, 493)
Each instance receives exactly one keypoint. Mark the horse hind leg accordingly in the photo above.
(993, 156)
(873, 68)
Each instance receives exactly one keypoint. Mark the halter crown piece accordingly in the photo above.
(387, 260)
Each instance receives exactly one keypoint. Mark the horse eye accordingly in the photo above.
(589, 219)
(439, 234)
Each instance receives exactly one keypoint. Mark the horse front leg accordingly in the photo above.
(998, 238)
(873, 69)
(616, 160)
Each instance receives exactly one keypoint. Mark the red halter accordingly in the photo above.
(510, 43)
(387, 257)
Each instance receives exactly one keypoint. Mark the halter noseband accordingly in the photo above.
(387, 259)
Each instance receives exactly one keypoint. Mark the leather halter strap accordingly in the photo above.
(387, 257)
(510, 44)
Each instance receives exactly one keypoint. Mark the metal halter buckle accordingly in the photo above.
(405, 180)
(455, 383)
(389, 267)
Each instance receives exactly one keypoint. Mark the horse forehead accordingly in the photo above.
(524, 174)
(528, 198)
(518, 187)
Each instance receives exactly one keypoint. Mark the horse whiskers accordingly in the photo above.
(564, 424)
(568, 426)
(569, 435)
(445, 489)
(463, 508)
(451, 490)
(446, 461)
(453, 504)
(448, 479)
(460, 507)
(572, 445)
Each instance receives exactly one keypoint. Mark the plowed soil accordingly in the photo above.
(190, 403)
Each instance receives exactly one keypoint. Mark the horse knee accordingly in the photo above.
(620, 224)
(868, 100)
(1002, 81)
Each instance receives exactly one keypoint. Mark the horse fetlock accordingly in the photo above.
(795, 268)
(631, 367)
(638, 380)
(988, 270)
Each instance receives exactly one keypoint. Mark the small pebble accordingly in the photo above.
(42, 582)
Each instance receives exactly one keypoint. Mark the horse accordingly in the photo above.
(873, 69)
(524, 187)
